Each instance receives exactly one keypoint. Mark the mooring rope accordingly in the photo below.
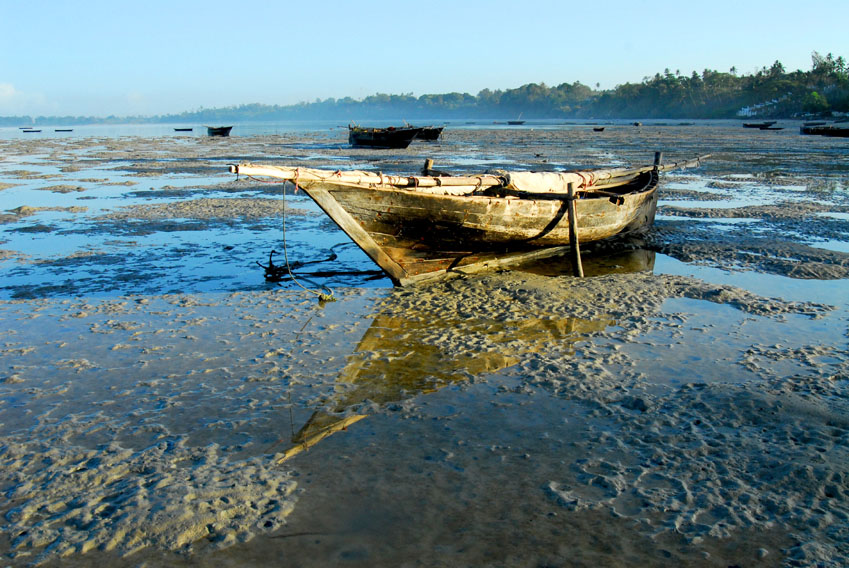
(322, 297)
(326, 296)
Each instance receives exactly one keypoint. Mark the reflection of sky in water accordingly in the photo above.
(211, 259)
(64, 248)
(203, 254)
(832, 245)
(831, 292)
(834, 215)
(728, 221)
(710, 204)
(477, 161)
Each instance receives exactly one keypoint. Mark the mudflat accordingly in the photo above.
(685, 404)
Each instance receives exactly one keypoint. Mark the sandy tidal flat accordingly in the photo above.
(686, 404)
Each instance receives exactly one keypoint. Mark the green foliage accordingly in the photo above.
(815, 103)
(769, 92)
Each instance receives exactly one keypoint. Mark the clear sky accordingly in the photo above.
(144, 57)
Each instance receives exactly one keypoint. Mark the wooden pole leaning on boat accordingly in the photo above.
(384, 180)
(574, 246)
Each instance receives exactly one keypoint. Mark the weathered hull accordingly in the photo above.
(413, 236)
(382, 137)
(831, 131)
(430, 133)
(218, 130)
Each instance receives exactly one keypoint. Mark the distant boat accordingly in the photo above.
(63, 130)
(219, 130)
(814, 123)
(598, 129)
(831, 131)
(835, 131)
(391, 137)
(430, 133)
(517, 121)
(189, 130)
(29, 130)
(760, 125)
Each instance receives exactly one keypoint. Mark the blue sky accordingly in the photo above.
(87, 57)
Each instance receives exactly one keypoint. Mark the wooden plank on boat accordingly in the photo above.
(359, 235)
(438, 184)
(574, 246)
(416, 234)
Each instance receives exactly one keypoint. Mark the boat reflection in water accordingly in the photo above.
(402, 356)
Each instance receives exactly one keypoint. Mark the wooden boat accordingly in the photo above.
(391, 137)
(417, 228)
(430, 133)
(218, 130)
(598, 129)
(831, 131)
(836, 131)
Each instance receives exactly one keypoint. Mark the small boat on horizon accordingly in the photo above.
(185, 129)
(759, 125)
(63, 130)
(390, 137)
(218, 130)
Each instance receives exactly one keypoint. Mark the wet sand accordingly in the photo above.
(684, 405)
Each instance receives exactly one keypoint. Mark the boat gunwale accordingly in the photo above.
(409, 232)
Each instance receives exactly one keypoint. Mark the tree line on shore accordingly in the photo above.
(771, 92)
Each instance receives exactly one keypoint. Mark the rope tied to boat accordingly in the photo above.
(586, 183)
(322, 296)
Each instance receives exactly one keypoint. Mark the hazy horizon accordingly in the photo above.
(93, 59)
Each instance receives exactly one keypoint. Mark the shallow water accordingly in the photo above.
(162, 404)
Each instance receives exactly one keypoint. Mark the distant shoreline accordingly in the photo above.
(770, 93)
(396, 118)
